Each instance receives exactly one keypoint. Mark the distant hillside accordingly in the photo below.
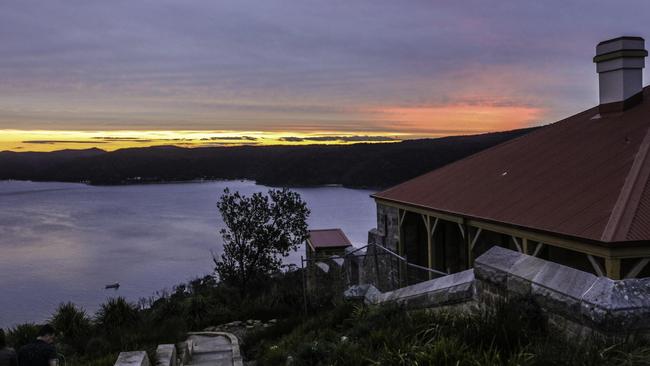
(360, 165)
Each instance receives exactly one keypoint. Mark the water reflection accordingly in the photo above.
(64, 242)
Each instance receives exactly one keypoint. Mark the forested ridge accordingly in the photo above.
(376, 165)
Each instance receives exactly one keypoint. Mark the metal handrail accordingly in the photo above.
(426, 269)
(388, 251)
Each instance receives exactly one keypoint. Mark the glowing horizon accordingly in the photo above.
(45, 141)
(429, 122)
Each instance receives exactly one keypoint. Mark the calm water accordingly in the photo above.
(64, 242)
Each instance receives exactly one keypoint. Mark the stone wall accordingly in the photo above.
(454, 289)
(200, 348)
(327, 278)
(387, 232)
(377, 267)
(574, 302)
(135, 358)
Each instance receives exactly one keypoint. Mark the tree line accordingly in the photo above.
(359, 165)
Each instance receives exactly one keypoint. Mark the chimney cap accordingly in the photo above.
(623, 38)
(619, 64)
(620, 47)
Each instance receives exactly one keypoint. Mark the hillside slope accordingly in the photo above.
(359, 165)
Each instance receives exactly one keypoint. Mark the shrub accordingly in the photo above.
(118, 320)
(22, 334)
(96, 347)
(73, 326)
(197, 311)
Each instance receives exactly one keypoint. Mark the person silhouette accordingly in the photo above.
(7, 354)
(41, 352)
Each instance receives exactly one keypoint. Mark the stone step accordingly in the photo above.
(214, 349)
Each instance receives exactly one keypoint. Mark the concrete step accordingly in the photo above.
(214, 349)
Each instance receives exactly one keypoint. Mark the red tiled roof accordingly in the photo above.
(328, 238)
(584, 177)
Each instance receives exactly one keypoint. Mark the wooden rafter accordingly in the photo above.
(638, 267)
(400, 218)
(475, 238)
(596, 265)
(514, 239)
(435, 225)
(538, 249)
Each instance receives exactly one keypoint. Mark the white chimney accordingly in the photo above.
(619, 63)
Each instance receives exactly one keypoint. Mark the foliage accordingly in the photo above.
(73, 326)
(261, 229)
(22, 335)
(118, 320)
(122, 326)
(510, 333)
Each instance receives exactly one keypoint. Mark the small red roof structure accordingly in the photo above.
(586, 176)
(328, 239)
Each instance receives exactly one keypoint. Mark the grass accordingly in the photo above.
(511, 333)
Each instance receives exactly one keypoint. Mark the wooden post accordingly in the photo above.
(427, 224)
(401, 216)
(613, 268)
(525, 245)
(468, 245)
(597, 268)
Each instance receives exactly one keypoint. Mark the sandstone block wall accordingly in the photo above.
(136, 358)
(575, 302)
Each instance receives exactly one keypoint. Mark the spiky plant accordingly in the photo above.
(118, 320)
(73, 326)
(22, 334)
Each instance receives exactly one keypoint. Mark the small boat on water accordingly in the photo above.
(115, 285)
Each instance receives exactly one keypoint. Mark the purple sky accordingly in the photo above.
(420, 67)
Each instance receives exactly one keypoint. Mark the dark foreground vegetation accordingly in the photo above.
(122, 326)
(511, 333)
(359, 165)
(332, 332)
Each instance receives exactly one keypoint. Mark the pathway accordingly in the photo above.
(214, 349)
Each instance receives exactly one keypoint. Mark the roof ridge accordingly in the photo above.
(625, 207)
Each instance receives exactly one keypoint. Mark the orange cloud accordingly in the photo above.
(459, 119)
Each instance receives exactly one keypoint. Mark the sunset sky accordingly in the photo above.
(112, 74)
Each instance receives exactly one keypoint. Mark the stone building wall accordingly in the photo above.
(387, 227)
(376, 266)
